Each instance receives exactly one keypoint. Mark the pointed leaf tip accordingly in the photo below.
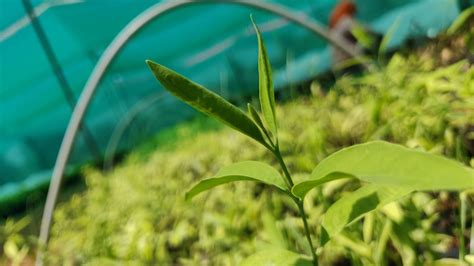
(265, 85)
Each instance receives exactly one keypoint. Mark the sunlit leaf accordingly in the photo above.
(389, 164)
(265, 85)
(241, 171)
(358, 203)
(10, 249)
(277, 257)
(469, 259)
(206, 101)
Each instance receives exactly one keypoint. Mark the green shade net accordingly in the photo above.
(213, 44)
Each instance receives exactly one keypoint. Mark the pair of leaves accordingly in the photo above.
(217, 107)
(391, 171)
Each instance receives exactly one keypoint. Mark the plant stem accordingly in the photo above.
(299, 203)
(283, 166)
(462, 244)
(306, 229)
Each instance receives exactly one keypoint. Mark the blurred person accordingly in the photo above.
(344, 27)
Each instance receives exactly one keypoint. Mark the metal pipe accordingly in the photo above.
(106, 59)
(60, 76)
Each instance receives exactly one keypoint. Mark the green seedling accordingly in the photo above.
(387, 171)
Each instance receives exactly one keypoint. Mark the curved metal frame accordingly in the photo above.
(106, 59)
(123, 124)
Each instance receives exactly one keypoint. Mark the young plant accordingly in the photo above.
(388, 171)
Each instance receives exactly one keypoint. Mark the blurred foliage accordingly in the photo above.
(136, 213)
(15, 244)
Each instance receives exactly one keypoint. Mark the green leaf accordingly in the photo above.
(206, 101)
(256, 118)
(358, 203)
(300, 190)
(389, 164)
(277, 257)
(265, 85)
(241, 171)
